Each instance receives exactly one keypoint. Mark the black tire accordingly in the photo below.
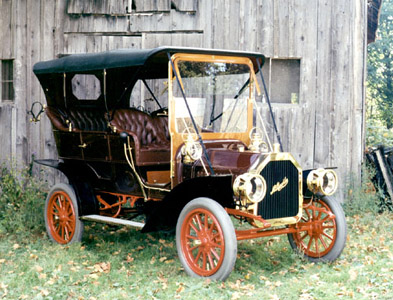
(215, 245)
(62, 215)
(336, 227)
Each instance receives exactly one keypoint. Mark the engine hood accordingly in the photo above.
(226, 161)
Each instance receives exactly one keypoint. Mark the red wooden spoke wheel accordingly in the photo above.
(61, 215)
(202, 242)
(206, 240)
(320, 238)
(325, 237)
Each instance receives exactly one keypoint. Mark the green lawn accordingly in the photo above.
(121, 263)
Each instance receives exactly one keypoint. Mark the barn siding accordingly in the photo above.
(326, 128)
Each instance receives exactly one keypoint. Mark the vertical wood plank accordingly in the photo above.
(6, 31)
(325, 108)
(280, 38)
(265, 27)
(19, 132)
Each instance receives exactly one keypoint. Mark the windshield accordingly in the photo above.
(217, 94)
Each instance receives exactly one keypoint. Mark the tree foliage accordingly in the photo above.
(380, 69)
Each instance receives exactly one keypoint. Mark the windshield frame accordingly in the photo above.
(176, 58)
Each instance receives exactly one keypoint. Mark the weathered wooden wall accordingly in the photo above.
(328, 36)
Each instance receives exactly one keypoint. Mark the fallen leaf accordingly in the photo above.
(33, 256)
(180, 289)
(38, 268)
(103, 267)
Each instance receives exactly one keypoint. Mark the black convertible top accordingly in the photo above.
(123, 68)
(126, 58)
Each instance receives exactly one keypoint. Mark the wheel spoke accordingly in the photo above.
(204, 266)
(215, 254)
(61, 200)
(55, 212)
(316, 245)
(215, 245)
(56, 206)
(58, 228)
(193, 227)
(212, 226)
(197, 217)
(325, 218)
(323, 242)
(308, 214)
(66, 234)
(206, 223)
(70, 227)
(328, 226)
(309, 243)
(328, 236)
(62, 231)
(198, 256)
(304, 236)
(192, 237)
(210, 258)
(193, 248)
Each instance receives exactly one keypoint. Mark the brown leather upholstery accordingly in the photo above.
(81, 119)
(149, 130)
(149, 133)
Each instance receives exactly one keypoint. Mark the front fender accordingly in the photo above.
(165, 213)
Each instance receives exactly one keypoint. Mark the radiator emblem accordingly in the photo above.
(279, 186)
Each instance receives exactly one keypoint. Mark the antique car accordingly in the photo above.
(174, 139)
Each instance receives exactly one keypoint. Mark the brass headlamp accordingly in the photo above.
(250, 186)
(321, 180)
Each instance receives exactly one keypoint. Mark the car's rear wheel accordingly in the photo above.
(61, 215)
(325, 238)
(206, 240)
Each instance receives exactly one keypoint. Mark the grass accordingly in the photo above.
(121, 263)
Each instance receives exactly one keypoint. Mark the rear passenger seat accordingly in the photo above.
(149, 133)
(80, 119)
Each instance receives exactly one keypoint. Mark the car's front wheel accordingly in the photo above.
(324, 237)
(61, 215)
(206, 240)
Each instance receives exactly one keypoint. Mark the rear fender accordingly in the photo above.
(75, 171)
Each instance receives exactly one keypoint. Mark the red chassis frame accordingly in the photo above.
(243, 234)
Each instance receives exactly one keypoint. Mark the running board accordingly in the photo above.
(114, 221)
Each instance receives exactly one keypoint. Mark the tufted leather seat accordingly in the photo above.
(150, 135)
(81, 119)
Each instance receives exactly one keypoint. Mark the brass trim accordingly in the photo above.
(315, 181)
(282, 156)
(279, 186)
